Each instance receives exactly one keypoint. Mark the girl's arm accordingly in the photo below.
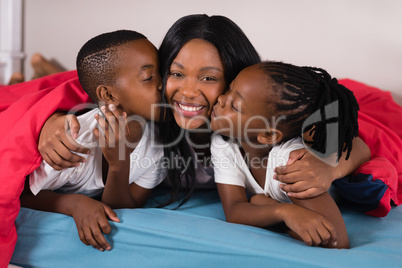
(310, 226)
(326, 206)
(56, 146)
(90, 216)
(308, 176)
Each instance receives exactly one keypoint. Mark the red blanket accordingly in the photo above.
(23, 110)
(25, 107)
(375, 184)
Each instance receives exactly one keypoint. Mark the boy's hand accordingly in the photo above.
(55, 145)
(91, 218)
(113, 141)
(311, 227)
(305, 175)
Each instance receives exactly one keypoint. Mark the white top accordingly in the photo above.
(145, 167)
(231, 168)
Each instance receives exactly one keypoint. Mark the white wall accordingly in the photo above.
(358, 39)
(11, 55)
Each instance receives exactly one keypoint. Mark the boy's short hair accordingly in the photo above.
(97, 60)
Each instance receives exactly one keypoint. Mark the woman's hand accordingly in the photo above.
(308, 176)
(305, 175)
(91, 219)
(56, 146)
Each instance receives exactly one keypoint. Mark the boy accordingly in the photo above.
(118, 70)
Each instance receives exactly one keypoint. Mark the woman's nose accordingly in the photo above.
(189, 89)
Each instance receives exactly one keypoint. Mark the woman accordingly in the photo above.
(199, 56)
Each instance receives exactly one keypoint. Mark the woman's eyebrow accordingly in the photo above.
(211, 68)
(177, 64)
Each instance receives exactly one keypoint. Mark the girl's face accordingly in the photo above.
(195, 82)
(244, 111)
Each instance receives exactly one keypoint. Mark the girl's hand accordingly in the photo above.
(56, 146)
(91, 219)
(309, 226)
(262, 200)
(113, 141)
(305, 175)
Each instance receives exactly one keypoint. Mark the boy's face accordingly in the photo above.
(138, 82)
(243, 111)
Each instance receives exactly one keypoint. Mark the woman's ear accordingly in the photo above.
(273, 136)
(106, 94)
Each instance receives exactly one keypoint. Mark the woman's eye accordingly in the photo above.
(148, 79)
(207, 78)
(175, 74)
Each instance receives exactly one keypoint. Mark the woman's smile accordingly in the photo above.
(189, 109)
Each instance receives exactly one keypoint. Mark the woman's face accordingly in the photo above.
(194, 84)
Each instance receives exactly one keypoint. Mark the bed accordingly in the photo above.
(196, 235)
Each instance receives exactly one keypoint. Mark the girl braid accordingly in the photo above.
(304, 91)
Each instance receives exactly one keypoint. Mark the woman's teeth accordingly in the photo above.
(190, 108)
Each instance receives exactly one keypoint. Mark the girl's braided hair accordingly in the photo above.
(307, 91)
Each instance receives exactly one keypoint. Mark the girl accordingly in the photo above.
(266, 111)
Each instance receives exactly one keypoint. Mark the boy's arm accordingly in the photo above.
(308, 176)
(89, 215)
(310, 226)
(118, 193)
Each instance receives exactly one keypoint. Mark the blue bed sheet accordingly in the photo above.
(196, 235)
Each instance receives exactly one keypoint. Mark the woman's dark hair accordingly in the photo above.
(236, 53)
(305, 91)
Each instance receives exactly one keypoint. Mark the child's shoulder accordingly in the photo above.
(150, 143)
(283, 150)
(87, 121)
(221, 145)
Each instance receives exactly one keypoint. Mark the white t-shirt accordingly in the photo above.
(231, 168)
(145, 164)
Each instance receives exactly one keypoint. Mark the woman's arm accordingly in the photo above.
(308, 176)
(310, 226)
(90, 216)
(56, 146)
